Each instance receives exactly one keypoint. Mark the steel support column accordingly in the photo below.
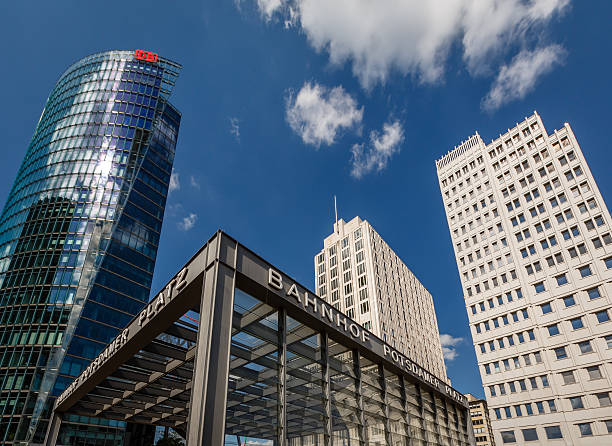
(327, 427)
(361, 428)
(281, 439)
(405, 407)
(53, 429)
(423, 418)
(206, 422)
(436, 416)
(383, 385)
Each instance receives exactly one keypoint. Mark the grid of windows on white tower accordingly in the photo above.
(360, 275)
(532, 238)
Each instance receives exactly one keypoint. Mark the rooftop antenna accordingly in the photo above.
(336, 211)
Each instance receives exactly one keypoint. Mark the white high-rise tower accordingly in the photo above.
(360, 275)
(532, 238)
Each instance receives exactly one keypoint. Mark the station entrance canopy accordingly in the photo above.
(233, 349)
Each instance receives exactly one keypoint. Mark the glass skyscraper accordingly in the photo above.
(79, 233)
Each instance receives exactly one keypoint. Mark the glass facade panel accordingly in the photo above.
(333, 394)
(84, 212)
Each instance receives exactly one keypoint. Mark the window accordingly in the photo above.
(585, 429)
(577, 323)
(553, 432)
(568, 377)
(585, 347)
(609, 341)
(551, 405)
(608, 262)
(604, 399)
(568, 301)
(593, 293)
(594, 372)
(540, 407)
(546, 308)
(508, 437)
(512, 387)
(519, 412)
(608, 426)
(576, 402)
(530, 434)
(539, 287)
(522, 385)
(585, 271)
(553, 329)
(602, 316)
(544, 379)
(561, 279)
(560, 352)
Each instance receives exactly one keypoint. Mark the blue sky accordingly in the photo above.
(286, 103)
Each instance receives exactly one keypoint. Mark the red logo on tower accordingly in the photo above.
(145, 55)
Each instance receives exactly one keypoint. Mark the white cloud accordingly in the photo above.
(188, 222)
(519, 77)
(267, 8)
(235, 128)
(175, 183)
(448, 346)
(317, 114)
(413, 37)
(376, 155)
(489, 27)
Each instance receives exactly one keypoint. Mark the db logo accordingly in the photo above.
(145, 55)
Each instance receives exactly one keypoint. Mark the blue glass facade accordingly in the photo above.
(79, 233)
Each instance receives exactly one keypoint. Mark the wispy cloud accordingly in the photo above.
(174, 209)
(235, 128)
(519, 77)
(188, 222)
(317, 114)
(448, 346)
(267, 8)
(194, 182)
(375, 155)
(175, 183)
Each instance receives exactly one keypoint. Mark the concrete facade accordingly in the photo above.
(359, 274)
(531, 236)
(481, 422)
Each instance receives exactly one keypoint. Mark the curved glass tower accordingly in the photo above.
(79, 233)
